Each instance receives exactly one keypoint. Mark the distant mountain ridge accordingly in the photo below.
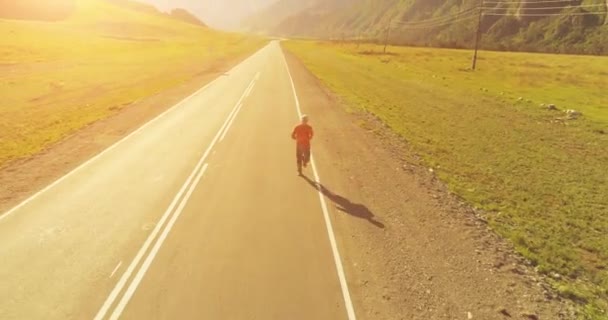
(516, 25)
(266, 20)
(56, 10)
(177, 14)
(185, 16)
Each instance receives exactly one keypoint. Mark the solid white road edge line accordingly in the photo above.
(123, 280)
(144, 268)
(350, 310)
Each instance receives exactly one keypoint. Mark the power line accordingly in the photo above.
(445, 20)
(470, 13)
(553, 8)
(438, 24)
(454, 17)
(545, 14)
(439, 19)
(482, 10)
(526, 2)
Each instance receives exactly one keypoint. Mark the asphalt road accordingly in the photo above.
(197, 215)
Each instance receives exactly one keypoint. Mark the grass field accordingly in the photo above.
(542, 180)
(57, 77)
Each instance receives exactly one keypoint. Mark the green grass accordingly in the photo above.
(57, 77)
(543, 181)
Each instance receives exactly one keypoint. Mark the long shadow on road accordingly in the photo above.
(354, 209)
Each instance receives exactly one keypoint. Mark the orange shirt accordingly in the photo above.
(302, 133)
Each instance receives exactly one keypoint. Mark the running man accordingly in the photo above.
(302, 133)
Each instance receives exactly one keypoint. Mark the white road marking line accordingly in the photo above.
(250, 88)
(257, 77)
(231, 121)
(116, 269)
(240, 105)
(332, 238)
(86, 163)
(146, 265)
(236, 106)
(123, 280)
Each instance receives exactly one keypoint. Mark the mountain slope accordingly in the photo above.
(186, 16)
(267, 19)
(177, 14)
(562, 26)
(57, 10)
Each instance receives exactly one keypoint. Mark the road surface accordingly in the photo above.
(197, 215)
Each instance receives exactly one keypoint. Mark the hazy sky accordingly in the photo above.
(224, 14)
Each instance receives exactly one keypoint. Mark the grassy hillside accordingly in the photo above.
(541, 179)
(507, 25)
(177, 14)
(57, 10)
(57, 77)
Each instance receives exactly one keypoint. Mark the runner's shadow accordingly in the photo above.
(354, 209)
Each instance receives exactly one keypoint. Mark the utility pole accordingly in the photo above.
(388, 33)
(478, 34)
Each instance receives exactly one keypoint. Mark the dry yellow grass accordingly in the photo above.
(57, 77)
(542, 182)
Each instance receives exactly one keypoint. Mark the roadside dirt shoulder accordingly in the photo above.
(21, 178)
(411, 249)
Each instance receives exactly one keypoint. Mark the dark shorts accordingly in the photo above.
(302, 154)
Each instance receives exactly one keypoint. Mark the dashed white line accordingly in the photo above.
(168, 213)
(257, 77)
(350, 310)
(140, 254)
(116, 269)
(144, 268)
